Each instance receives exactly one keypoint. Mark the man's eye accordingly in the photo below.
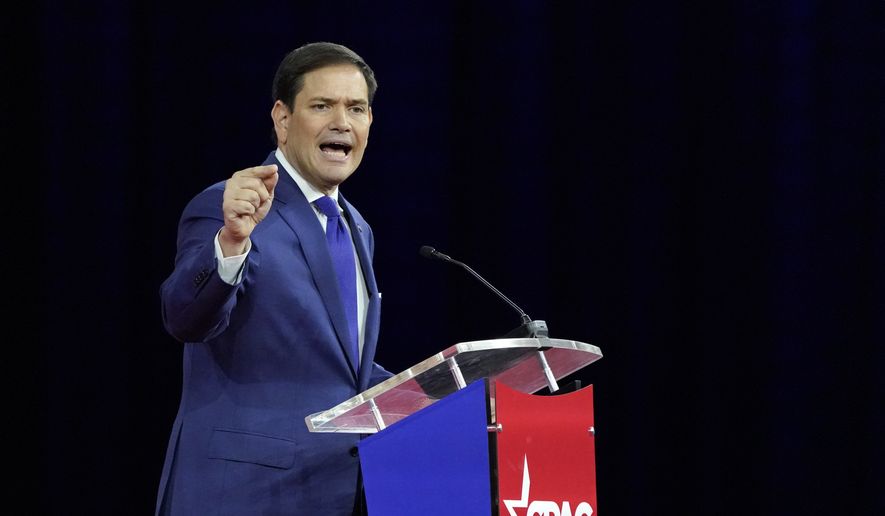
(320, 107)
(358, 109)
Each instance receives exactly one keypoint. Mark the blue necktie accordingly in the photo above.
(341, 249)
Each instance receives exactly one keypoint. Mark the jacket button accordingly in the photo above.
(354, 451)
(201, 277)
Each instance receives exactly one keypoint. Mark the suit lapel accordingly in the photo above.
(359, 231)
(301, 217)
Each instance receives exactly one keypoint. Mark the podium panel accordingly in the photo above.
(546, 455)
(436, 462)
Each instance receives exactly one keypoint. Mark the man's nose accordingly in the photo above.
(340, 121)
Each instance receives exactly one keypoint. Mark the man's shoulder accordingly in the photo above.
(271, 159)
(210, 197)
(212, 191)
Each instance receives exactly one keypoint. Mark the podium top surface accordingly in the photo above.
(527, 365)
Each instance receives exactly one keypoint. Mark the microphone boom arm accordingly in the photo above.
(525, 318)
(528, 328)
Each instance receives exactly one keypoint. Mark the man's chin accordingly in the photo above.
(336, 175)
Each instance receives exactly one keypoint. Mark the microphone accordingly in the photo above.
(528, 328)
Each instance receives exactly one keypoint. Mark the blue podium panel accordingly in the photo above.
(435, 462)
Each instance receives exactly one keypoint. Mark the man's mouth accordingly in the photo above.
(336, 150)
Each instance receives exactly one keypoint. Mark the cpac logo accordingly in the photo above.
(542, 508)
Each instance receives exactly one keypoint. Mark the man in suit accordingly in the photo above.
(275, 326)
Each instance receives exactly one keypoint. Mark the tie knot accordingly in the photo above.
(328, 206)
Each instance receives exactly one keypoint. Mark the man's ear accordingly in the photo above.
(281, 115)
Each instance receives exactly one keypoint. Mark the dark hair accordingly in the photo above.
(289, 79)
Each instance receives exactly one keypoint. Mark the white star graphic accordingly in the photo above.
(523, 501)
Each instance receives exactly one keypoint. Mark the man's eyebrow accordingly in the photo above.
(327, 100)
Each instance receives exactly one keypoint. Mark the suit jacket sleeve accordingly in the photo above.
(196, 302)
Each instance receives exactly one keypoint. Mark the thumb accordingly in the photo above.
(270, 182)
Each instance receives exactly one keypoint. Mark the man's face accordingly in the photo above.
(325, 134)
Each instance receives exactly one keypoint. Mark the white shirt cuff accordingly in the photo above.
(230, 268)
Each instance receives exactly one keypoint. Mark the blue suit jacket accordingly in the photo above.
(258, 358)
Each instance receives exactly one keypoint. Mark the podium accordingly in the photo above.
(462, 433)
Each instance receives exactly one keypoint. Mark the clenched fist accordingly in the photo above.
(248, 195)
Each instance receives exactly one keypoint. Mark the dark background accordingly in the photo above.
(694, 187)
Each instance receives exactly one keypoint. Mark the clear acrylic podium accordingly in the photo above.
(526, 365)
(458, 432)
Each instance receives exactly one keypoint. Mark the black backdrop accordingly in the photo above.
(696, 188)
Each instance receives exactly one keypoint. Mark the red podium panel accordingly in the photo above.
(545, 453)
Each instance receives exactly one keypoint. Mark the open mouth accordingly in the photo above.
(336, 150)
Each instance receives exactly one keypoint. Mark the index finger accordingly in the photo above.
(262, 172)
